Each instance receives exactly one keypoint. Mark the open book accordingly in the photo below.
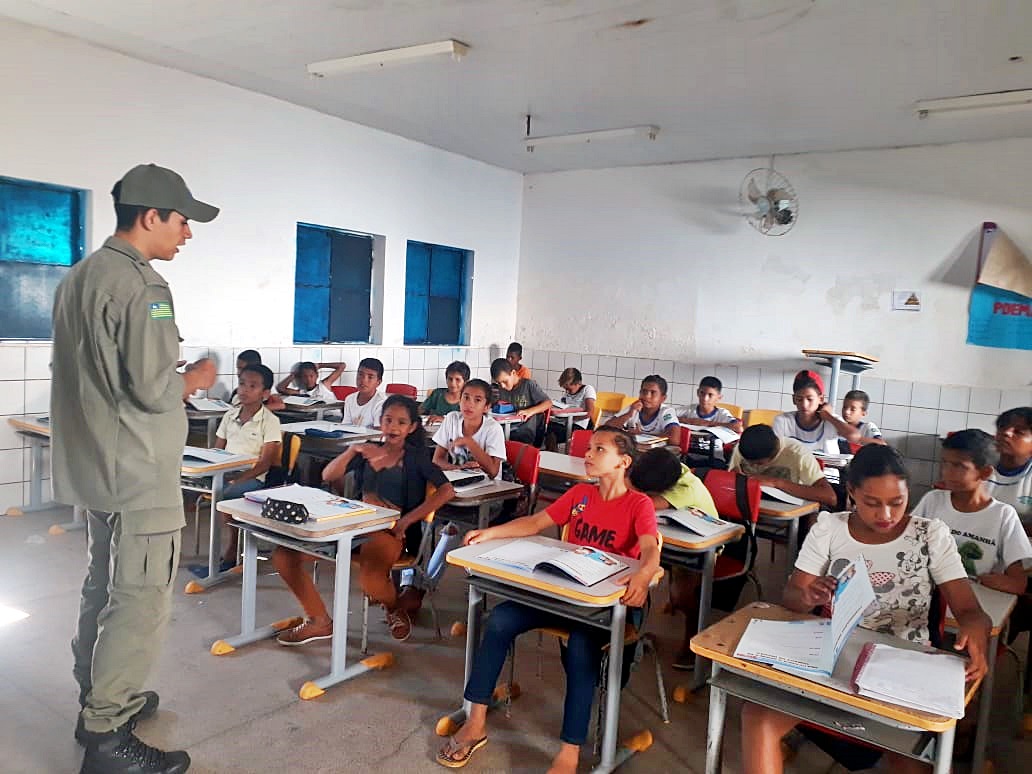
(320, 504)
(300, 400)
(194, 455)
(812, 645)
(209, 404)
(928, 681)
(584, 564)
(722, 434)
(776, 494)
(467, 480)
(696, 521)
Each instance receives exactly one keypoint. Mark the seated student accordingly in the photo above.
(813, 423)
(445, 400)
(608, 516)
(784, 463)
(304, 381)
(915, 554)
(363, 408)
(248, 428)
(854, 412)
(649, 414)
(1011, 480)
(992, 544)
(514, 354)
(252, 357)
(469, 438)
(392, 474)
(671, 484)
(706, 412)
(576, 394)
(529, 400)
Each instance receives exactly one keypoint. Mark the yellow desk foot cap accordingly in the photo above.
(13, 511)
(221, 648)
(287, 623)
(458, 629)
(640, 742)
(681, 694)
(56, 529)
(501, 692)
(310, 691)
(378, 661)
(193, 587)
(238, 570)
(446, 726)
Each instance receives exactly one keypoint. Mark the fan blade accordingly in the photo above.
(768, 221)
(778, 195)
(753, 192)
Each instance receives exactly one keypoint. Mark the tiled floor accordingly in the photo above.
(241, 713)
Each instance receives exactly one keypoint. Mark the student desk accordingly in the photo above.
(683, 548)
(192, 473)
(352, 433)
(482, 498)
(331, 541)
(506, 421)
(998, 605)
(316, 411)
(211, 421)
(597, 605)
(646, 441)
(568, 416)
(563, 466)
(782, 523)
(36, 430)
(853, 363)
(825, 704)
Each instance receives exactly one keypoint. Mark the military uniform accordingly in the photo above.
(118, 432)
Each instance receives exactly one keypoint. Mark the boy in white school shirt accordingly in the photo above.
(1011, 480)
(363, 408)
(991, 542)
(309, 385)
(706, 412)
(650, 413)
(854, 412)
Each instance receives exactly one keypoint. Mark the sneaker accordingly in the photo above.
(304, 633)
(684, 661)
(201, 570)
(121, 752)
(410, 599)
(150, 706)
(400, 624)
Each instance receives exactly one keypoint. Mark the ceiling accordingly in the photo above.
(721, 78)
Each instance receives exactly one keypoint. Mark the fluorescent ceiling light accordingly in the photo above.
(648, 132)
(374, 59)
(1018, 99)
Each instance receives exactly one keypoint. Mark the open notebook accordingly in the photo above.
(584, 564)
(812, 645)
(209, 404)
(695, 521)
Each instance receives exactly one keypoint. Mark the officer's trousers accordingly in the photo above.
(124, 608)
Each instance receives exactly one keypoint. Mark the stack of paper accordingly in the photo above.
(722, 434)
(922, 680)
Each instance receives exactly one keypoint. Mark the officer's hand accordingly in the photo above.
(199, 375)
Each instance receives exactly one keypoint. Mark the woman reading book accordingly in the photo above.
(392, 474)
(607, 516)
(907, 556)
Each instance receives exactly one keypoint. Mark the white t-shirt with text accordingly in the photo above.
(490, 437)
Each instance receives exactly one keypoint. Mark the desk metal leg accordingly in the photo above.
(705, 605)
(836, 366)
(985, 702)
(36, 446)
(483, 515)
(715, 729)
(616, 643)
(944, 751)
(449, 724)
(214, 543)
(78, 522)
(792, 549)
(213, 426)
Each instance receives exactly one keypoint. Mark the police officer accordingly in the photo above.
(119, 427)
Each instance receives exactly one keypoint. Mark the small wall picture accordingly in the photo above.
(906, 301)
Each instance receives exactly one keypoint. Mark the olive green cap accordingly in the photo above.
(149, 185)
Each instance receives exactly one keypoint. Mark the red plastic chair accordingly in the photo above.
(402, 389)
(525, 461)
(686, 440)
(737, 499)
(343, 390)
(579, 442)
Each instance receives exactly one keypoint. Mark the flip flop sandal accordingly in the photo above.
(446, 757)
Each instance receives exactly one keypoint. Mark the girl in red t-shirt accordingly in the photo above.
(608, 516)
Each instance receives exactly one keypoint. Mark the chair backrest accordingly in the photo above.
(760, 417)
(736, 411)
(525, 460)
(737, 497)
(343, 390)
(627, 401)
(609, 401)
(596, 415)
(293, 452)
(402, 389)
(579, 442)
(686, 440)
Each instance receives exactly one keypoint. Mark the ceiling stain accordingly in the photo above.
(630, 25)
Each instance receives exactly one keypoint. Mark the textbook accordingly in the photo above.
(696, 521)
(584, 564)
(320, 504)
(195, 454)
(300, 400)
(209, 404)
(722, 434)
(467, 480)
(929, 681)
(812, 646)
(776, 494)
(644, 439)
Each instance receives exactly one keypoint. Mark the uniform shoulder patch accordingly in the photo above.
(161, 310)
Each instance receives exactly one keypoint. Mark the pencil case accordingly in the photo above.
(315, 432)
(283, 510)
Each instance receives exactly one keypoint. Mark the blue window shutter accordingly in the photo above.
(417, 283)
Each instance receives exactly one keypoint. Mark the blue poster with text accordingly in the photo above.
(999, 318)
